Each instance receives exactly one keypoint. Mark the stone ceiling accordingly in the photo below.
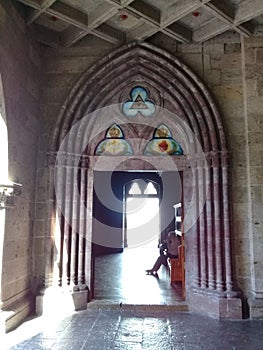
(63, 23)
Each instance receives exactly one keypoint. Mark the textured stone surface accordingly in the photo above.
(135, 329)
(220, 66)
(230, 67)
(254, 147)
(199, 112)
(20, 64)
(222, 308)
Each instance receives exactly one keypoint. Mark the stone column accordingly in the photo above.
(210, 232)
(65, 257)
(67, 225)
(217, 228)
(212, 296)
(195, 228)
(226, 228)
(88, 231)
(82, 221)
(78, 241)
(74, 215)
(58, 230)
(50, 249)
(202, 225)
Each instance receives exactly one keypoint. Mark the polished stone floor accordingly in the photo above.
(132, 311)
(121, 277)
(95, 329)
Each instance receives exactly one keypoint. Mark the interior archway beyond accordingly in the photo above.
(184, 105)
(119, 270)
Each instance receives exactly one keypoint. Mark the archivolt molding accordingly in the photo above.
(102, 84)
(206, 180)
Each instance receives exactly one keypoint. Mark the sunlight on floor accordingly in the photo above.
(45, 325)
(122, 277)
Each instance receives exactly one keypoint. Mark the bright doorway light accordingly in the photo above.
(142, 220)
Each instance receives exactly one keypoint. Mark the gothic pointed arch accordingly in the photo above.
(102, 84)
(197, 127)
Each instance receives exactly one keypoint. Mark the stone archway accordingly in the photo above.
(197, 127)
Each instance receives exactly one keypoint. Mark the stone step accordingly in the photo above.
(117, 305)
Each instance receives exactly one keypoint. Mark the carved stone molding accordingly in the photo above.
(199, 129)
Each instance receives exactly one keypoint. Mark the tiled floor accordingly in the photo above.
(131, 330)
(136, 324)
(121, 277)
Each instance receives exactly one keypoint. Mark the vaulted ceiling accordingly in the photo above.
(65, 22)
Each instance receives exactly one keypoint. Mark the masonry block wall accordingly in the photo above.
(229, 66)
(222, 64)
(252, 65)
(20, 68)
(62, 69)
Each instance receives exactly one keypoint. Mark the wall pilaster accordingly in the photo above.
(252, 57)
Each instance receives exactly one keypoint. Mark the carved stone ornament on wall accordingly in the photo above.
(156, 80)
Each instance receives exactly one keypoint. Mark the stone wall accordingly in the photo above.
(229, 66)
(232, 69)
(252, 66)
(221, 64)
(63, 68)
(20, 66)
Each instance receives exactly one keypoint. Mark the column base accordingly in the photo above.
(255, 308)
(60, 301)
(12, 315)
(215, 306)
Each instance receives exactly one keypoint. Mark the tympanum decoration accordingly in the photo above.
(114, 143)
(139, 103)
(162, 143)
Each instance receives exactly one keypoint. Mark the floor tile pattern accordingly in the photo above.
(129, 330)
(133, 311)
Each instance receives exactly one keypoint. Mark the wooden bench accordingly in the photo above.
(177, 269)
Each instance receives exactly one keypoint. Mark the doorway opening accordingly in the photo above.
(145, 217)
(129, 238)
(141, 222)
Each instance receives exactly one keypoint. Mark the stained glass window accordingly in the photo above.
(114, 143)
(139, 103)
(162, 143)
